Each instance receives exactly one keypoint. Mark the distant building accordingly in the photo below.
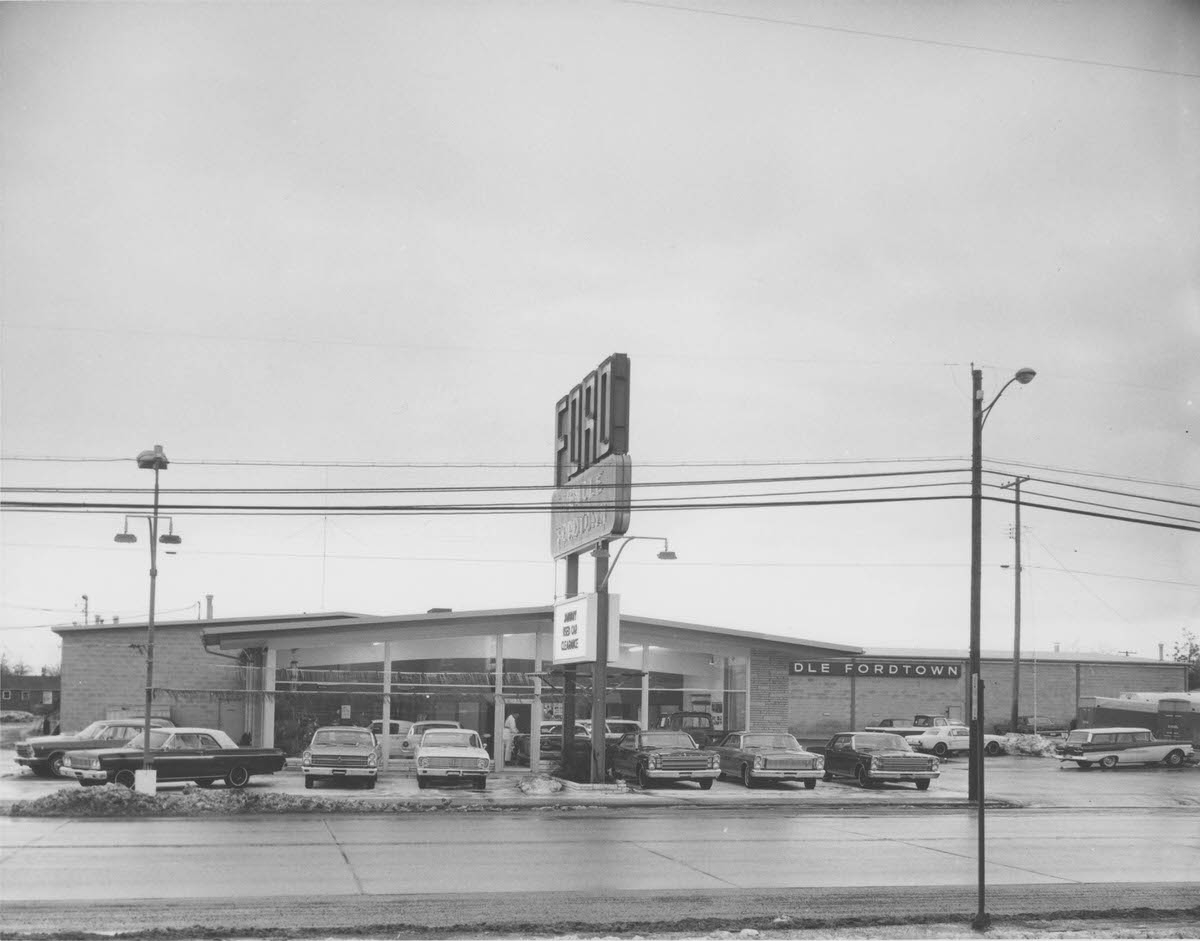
(30, 692)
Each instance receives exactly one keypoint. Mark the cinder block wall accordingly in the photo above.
(104, 669)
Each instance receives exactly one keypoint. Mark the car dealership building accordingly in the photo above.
(271, 678)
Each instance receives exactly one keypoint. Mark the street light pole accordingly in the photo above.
(979, 415)
(154, 460)
(1016, 683)
(600, 668)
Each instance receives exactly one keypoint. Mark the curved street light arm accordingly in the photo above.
(625, 540)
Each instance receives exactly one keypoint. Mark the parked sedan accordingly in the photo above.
(408, 746)
(182, 754)
(341, 753)
(953, 739)
(658, 755)
(872, 758)
(454, 755)
(758, 757)
(43, 754)
(549, 741)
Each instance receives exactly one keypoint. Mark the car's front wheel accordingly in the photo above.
(940, 749)
(992, 748)
(810, 783)
(643, 779)
(827, 776)
(54, 764)
(1085, 765)
(422, 783)
(480, 784)
(1174, 759)
(308, 782)
(705, 784)
(747, 777)
(864, 779)
(238, 777)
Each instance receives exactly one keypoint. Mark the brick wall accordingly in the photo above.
(104, 669)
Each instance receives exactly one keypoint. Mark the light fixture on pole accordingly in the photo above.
(979, 415)
(156, 461)
(600, 668)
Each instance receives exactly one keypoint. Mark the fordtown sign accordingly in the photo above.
(892, 669)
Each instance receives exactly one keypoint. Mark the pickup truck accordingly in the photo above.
(919, 724)
(699, 725)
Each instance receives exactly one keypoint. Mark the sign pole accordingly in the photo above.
(600, 666)
(569, 672)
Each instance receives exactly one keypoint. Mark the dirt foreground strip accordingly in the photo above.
(1090, 907)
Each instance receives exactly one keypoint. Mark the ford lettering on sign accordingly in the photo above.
(892, 669)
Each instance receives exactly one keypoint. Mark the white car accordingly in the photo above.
(953, 739)
(341, 752)
(412, 738)
(452, 754)
(1109, 746)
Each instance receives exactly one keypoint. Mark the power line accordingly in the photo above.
(993, 50)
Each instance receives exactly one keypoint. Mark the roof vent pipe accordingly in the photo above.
(208, 598)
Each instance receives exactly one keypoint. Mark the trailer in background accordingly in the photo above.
(1168, 715)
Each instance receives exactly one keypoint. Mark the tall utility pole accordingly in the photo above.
(1016, 684)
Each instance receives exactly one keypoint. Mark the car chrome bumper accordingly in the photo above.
(658, 774)
(320, 772)
(767, 774)
(904, 775)
(86, 774)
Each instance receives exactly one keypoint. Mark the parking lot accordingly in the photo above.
(1019, 781)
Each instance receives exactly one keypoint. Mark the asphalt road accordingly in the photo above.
(599, 867)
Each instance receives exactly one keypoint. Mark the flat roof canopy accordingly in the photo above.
(343, 628)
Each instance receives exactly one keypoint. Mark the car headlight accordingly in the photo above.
(66, 761)
(484, 764)
(820, 762)
(874, 764)
(371, 761)
(933, 764)
(422, 762)
(306, 759)
(758, 761)
(655, 761)
(714, 761)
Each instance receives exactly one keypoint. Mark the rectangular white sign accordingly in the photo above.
(575, 629)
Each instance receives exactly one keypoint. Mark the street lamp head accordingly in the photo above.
(170, 539)
(667, 554)
(152, 460)
(124, 537)
(1025, 375)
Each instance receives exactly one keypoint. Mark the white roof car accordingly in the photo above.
(452, 754)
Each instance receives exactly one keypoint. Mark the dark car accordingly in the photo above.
(181, 754)
(659, 755)
(872, 758)
(758, 757)
(549, 742)
(43, 754)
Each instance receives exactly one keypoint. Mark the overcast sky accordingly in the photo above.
(315, 235)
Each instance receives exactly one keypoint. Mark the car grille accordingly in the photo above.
(685, 763)
(788, 764)
(916, 763)
(339, 761)
(466, 763)
(24, 751)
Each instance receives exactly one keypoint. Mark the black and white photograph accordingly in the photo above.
(590, 469)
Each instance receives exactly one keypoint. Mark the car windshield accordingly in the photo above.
(157, 738)
(449, 738)
(770, 741)
(880, 740)
(667, 740)
(343, 737)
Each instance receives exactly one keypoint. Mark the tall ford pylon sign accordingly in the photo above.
(592, 469)
(590, 506)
